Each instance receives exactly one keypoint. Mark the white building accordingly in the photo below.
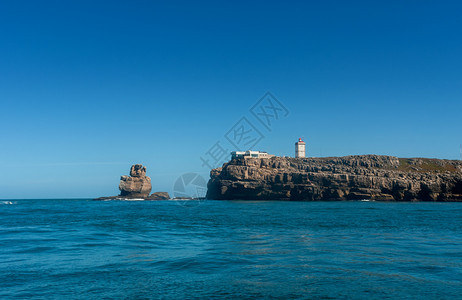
(300, 148)
(250, 154)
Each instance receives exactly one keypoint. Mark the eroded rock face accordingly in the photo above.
(137, 185)
(138, 171)
(356, 177)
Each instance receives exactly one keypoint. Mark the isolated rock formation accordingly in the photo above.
(137, 185)
(356, 177)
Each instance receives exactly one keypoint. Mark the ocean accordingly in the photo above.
(86, 249)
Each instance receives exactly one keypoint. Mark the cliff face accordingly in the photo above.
(356, 177)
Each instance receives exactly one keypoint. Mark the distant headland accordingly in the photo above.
(356, 177)
(256, 175)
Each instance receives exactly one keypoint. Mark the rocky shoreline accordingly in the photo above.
(357, 177)
(153, 196)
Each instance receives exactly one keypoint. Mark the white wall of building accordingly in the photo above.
(300, 149)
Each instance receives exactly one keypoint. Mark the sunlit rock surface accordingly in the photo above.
(373, 177)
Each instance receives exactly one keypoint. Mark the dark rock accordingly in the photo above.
(108, 198)
(374, 177)
(159, 196)
(138, 171)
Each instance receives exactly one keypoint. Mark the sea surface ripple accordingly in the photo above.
(85, 249)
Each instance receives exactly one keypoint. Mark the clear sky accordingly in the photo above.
(88, 88)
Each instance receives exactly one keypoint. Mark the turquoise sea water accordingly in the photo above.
(85, 249)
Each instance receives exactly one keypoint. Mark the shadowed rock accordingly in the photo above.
(159, 196)
(138, 171)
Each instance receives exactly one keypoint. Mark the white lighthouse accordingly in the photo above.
(300, 148)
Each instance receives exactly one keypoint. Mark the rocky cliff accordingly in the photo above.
(356, 177)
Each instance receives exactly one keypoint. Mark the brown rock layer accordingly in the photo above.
(137, 185)
(374, 177)
(159, 196)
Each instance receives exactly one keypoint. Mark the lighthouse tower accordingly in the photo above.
(300, 148)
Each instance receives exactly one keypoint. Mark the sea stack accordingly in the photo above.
(137, 185)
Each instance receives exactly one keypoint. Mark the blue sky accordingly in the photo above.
(88, 88)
